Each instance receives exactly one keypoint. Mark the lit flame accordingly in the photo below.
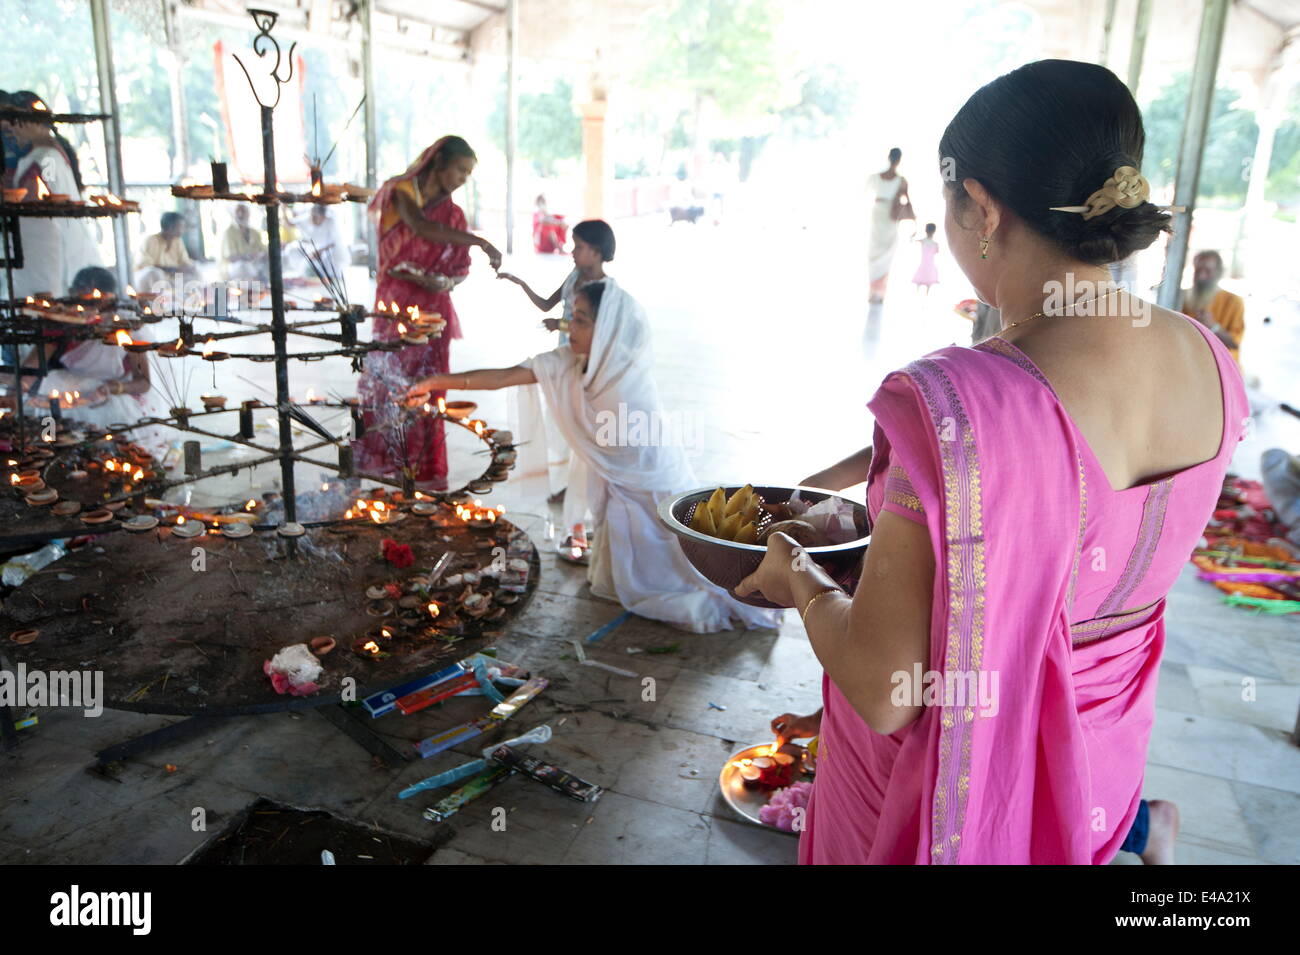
(393, 308)
(433, 610)
(361, 504)
(209, 347)
(130, 291)
(478, 428)
(54, 394)
(123, 336)
(13, 479)
(401, 328)
(315, 189)
(138, 475)
(37, 104)
(415, 313)
(110, 465)
(347, 515)
(42, 191)
(382, 307)
(442, 406)
(96, 294)
(380, 506)
(180, 520)
(370, 646)
(311, 395)
(250, 504)
(67, 396)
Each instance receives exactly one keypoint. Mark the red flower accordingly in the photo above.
(399, 555)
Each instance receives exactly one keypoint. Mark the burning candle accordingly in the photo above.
(56, 409)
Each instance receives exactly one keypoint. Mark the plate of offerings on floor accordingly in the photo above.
(769, 785)
(723, 531)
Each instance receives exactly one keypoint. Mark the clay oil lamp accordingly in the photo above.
(173, 349)
(24, 636)
(213, 402)
(457, 409)
(368, 648)
(291, 529)
(42, 497)
(236, 530)
(480, 486)
(322, 645)
(210, 352)
(97, 516)
(66, 508)
(140, 523)
(187, 529)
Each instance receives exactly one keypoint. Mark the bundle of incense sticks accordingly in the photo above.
(499, 714)
(550, 776)
(456, 801)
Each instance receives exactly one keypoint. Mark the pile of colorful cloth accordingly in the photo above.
(1245, 552)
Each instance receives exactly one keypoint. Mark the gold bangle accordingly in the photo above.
(817, 597)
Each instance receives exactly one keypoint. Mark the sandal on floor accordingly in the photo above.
(565, 552)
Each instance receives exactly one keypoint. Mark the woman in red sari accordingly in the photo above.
(421, 229)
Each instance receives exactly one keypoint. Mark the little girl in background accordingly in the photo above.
(926, 273)
(593, 246)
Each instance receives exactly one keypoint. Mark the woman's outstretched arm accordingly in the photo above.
(436, 232)
(480, 379)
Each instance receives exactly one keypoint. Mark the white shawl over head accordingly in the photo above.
(606, 411)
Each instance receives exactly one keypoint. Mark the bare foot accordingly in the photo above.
(1162, 834)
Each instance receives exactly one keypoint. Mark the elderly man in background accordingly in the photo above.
(1217, 309)
(164, 256)
(243, 253)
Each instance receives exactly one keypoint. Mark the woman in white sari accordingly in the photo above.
(599, 387)
(891, 204)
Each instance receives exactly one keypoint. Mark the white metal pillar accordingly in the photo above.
(371, 117)
(112, 132)
(1214, 15)
(512, 48)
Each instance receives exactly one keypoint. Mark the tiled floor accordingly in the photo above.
(1225, 761)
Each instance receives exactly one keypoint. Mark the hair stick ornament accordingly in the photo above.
(1127, 188)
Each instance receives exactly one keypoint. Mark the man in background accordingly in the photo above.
(243, 253)
(164, 256)
(1217, 309)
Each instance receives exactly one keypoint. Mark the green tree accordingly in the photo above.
(1229, 144)
(548, 128)
(721, 52)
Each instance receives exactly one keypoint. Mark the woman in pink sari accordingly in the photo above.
(990, 685)
(420, 227)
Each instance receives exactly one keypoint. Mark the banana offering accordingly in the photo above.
(732, 518)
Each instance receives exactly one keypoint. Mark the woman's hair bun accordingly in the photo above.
(1050, 134)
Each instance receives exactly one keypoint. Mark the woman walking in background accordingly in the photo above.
(890, 206)
(424, 232)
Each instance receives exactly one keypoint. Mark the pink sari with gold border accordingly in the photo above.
(1053, 776)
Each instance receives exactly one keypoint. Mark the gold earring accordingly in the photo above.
(984, 246)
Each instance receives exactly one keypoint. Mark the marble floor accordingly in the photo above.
(778, 372)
